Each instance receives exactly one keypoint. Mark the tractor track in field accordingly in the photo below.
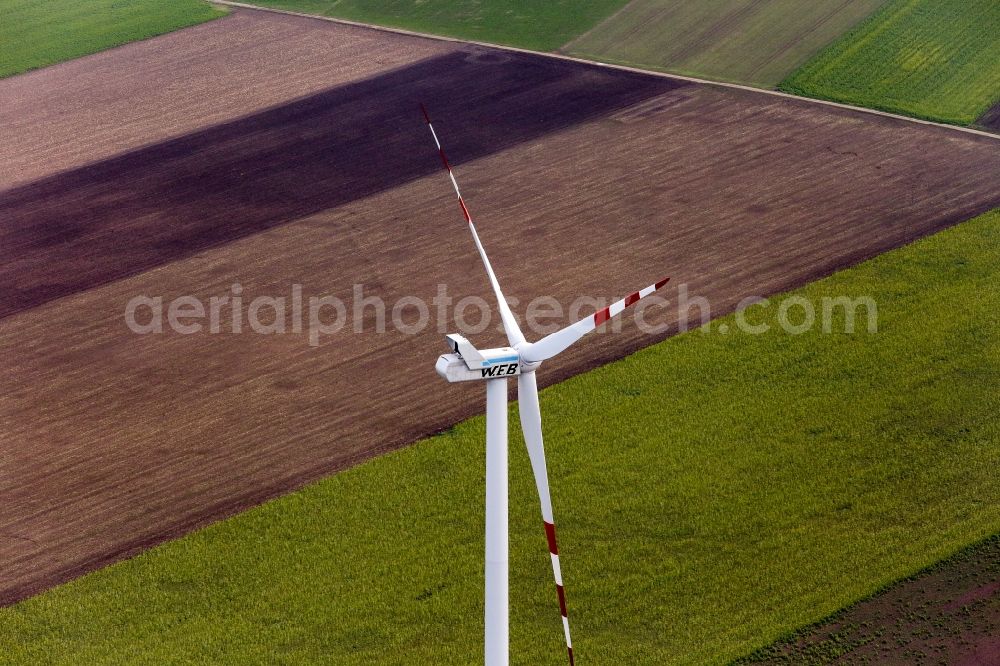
(311, 165)
(713, 32)
(798, 39)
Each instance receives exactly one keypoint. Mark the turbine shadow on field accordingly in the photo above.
(133, 212)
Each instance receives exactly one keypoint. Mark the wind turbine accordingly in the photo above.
(494, 366)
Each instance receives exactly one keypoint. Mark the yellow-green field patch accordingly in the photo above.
(934, 59)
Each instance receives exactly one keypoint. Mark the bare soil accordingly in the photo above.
(948, 614)
(584, 181)
(92, 108)
(991, 119)
(173, 199)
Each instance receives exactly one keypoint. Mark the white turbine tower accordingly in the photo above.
(494, 366)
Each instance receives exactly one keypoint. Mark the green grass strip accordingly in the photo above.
(541, 25)
(933, 59)
(713, 493)
(37, 33)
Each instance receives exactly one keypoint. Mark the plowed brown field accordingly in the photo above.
(278, 150)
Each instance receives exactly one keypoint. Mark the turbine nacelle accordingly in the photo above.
(521, 359)
(466, 363)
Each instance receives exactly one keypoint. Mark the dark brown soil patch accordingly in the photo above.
(174, 199)
(947, 614)
(991, 119)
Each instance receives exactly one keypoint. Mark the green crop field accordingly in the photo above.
(35, 34)
(712, 491)
(757, 42)
(935, 59)
(531, 24)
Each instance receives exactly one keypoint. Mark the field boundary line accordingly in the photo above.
(608, 65)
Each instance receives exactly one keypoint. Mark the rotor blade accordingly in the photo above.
(531, 425)
(552, 344)
(510, 327)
